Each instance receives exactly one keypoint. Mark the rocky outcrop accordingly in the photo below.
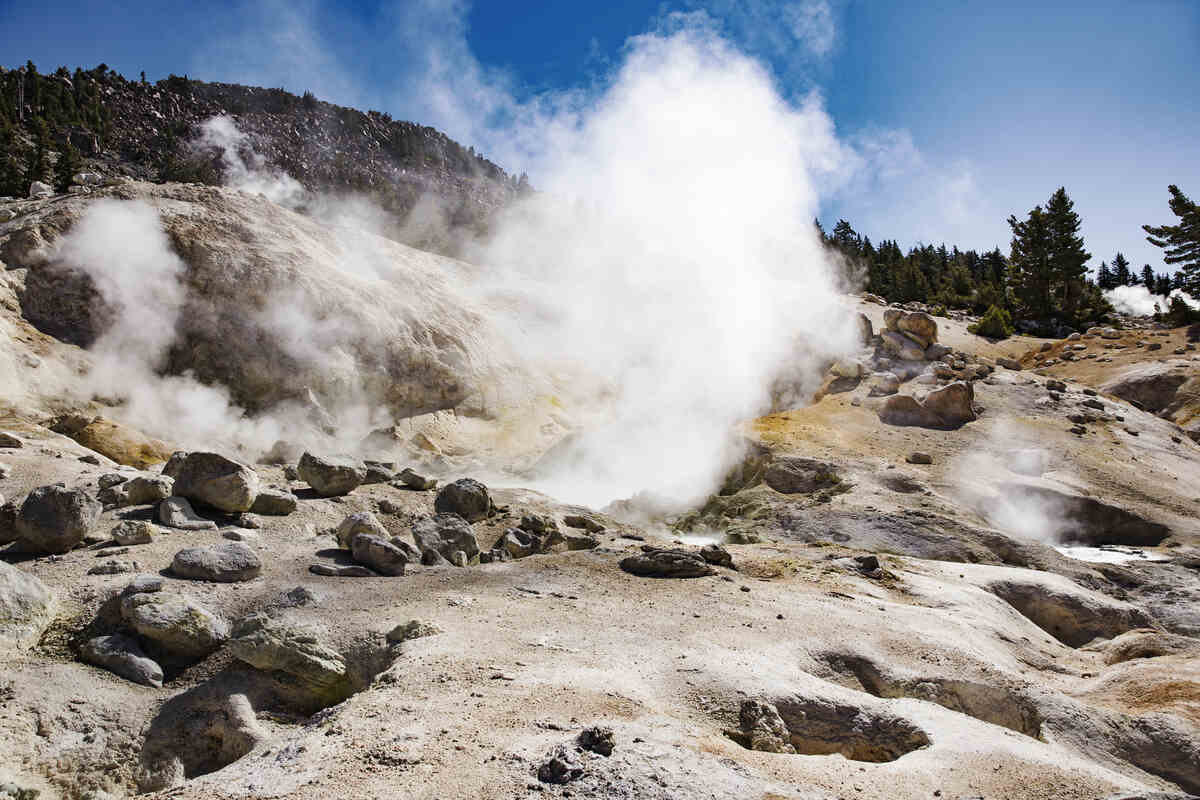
(948, 407)
(177, 624)
(311, 667)
(109, 438)
(659, 562)
(410, 341)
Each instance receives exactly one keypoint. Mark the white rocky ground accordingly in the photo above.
(900, 630)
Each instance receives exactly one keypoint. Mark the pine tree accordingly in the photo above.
(845, 239)
(1162, 285)
(1122, 276)
(36, 161)
(1029, 262)
(1104, 277)
(1180, 243)
(1068, 259)
(1148, 277)
(68, 164)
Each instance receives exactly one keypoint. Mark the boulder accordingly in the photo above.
(54, 519)
(445, 534)
(796, 475)
(953, 404)
(902, 347)
(465, 497)
(274, 502)
(10, 442)
(597, 739)
(919, 327)
(1110, 333)
(1009, 363)
(891, 319)
(359, 522)
(518, 543)
(561, 766)
(123, 656)
(331, 476)
(341, 570)
(211, 479)
(132, 531)
(763, 729)
(176, 512)
(137, 491)
(416, 481)
(717, 556)
(39, 190)
(906, 410)
(228, 562)
(847, 368)
(413, 629)
(177, 624)
(919, 458)
(657, 562)
(378, 554)
(26, 608)
(865, 330)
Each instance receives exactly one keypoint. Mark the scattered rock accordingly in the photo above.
(274, 502)
(562, 766)
(919, 327)
(717, 555)
(1009, 363)
(10, 442)
(902, 346)
(137, 491)
(953, 404)
(865, 330)
(763, 729)
(113, 440)
(132, 531)
(416, 481)
(656, 562)
(211, 479)
(54, 519)
(330, 477)
(903, 409)
(583, 522)
(176, 623)
(123, 656)
(578, 541)
(230, 562)
(883, 383)
(891, 319)
(359, 523)
(446, 533)
(465, 497)
(176, 512)
(598, 739)
(145, 583)
(341, 570)
(114, 567)
(378, 554)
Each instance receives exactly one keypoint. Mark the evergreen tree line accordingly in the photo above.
(1043, 278)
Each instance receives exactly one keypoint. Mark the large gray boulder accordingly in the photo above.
(331, 476)
(919, 327)
(797, 475)
(658, 562)
(122, 655)
(465, 497)
(953, 404)
(211, 479)
(902, 347)
(178, 624)
(54, 519)
(26, 608)
(274, 502)
(445, 534)
(229, 562)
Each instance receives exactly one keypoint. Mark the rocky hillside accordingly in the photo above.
(147, 131)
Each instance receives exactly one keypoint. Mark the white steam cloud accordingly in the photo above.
(673, 255)
(245, 169)
(1138, 301)
(666, 283)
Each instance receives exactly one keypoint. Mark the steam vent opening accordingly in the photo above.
(1073, 519)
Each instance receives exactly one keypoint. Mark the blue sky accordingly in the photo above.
(961, 112)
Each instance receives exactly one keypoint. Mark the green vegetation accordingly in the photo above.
(996, 324)
(1180, 243)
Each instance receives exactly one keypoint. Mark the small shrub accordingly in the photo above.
(996, 324)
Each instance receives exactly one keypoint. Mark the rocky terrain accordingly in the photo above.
(965, 569)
